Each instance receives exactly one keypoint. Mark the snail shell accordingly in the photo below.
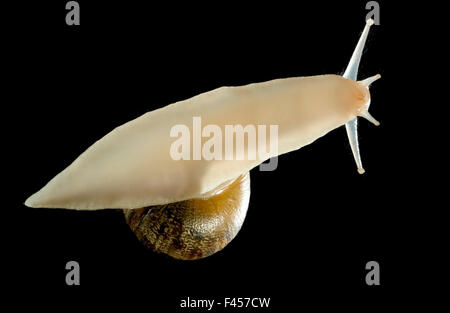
(194, 228)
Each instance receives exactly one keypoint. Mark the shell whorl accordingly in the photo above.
(194, 228)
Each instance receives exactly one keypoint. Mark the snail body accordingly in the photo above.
(193, 208)
(132, 167)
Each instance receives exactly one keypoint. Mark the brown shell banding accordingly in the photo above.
(195, 228)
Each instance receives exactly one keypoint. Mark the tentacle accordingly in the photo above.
(369, 80)
(352, 133)
(351, 71)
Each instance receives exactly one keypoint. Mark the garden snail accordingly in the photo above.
(191, 208)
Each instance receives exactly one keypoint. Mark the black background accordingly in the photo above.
(312, 224)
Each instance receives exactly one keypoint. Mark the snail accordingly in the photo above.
(192, 208)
